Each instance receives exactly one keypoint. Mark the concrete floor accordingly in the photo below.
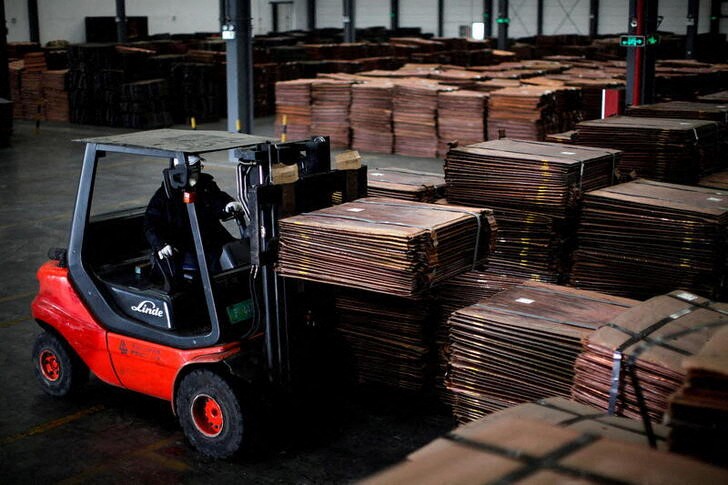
(111, 435)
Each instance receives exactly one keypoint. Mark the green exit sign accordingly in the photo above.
(632, 41)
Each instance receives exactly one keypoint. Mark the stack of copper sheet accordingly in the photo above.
(534, 187)
(145, 105)
(720, 97)
(405, 184)
(415, 118)
(633, 365)
(718, 180)
(16, 87)
(330, 110)
(371, 116)
(459, 292)
(644, 238)
(55, 93)
(515, 450)
(699, 410)
(526, 112)
(293, 105)
(31, 95)
(385, 245)
(461, 117)
(520, 345)
(389, 337)
(569, 414)
(669, 150)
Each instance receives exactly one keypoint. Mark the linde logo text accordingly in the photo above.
(149, 308)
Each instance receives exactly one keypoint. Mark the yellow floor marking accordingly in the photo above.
(17, 296)
(50, 425)
(10, 323)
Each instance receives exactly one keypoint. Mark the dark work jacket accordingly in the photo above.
(166, 220)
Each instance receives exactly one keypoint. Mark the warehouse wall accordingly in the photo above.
(65, 19)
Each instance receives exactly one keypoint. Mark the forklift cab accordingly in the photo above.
(111, 263)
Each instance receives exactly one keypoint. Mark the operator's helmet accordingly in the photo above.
(195, 164)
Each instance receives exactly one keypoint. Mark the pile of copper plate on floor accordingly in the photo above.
(691, 111)
(526, 112)
(569, 414)
(718, 181)
(293, 102)
(330, 110)
(517, 450)
(385, 245)
(400, 183)
(459, 292)
(534, 188)
(644, 238)
(415, 117)
(371, 117)
(55, 93)
(461, 117)
(698, 412)
(520, 345)
(668, 150)
(720, 97)
(649, 342)
(389, 337)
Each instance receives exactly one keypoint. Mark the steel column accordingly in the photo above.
(311, 10)
(4, 71)
(274, 13)
(488, 17)
(33, 21)
(121, 21)
(440, 18)
(503, 24)
(239, 57)
(641, 60)
(394, 14)
(715, 16)
(539, 17)
(593, 18)
(349, 21)
(691, 38)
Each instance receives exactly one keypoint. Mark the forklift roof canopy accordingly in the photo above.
(186, 141)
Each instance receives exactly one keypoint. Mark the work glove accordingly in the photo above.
(165, 252)
(233, 207)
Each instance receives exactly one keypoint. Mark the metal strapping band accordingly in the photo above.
(533, 464)
(404, 170)
(476, 215)
(538, 317)
(368, 221)
(581, 297)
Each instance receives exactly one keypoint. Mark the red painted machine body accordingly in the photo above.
(127, 362)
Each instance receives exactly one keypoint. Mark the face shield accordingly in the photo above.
(194, 168)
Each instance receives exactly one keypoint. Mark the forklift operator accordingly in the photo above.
(167, 226)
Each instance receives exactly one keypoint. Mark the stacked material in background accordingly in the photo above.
(645, 238)
(399, 183)
(521, 344)
(371, 117)
(330, 110)
(55, 93)
(94, 84)
(461, 117)
(527, 113)
(651, 341)
(718, 97)
(6, 121)
(385, 245)
(692, 111)
(293, 101)
(390, 337)
(514, 450)
(415, 118)
(459, 292)
(16, 87)
(718, 180)
(535, 189)
(668, 150)
(698, 412)
(198, 90)
(567, 414)
(145, 104)
(31, 96)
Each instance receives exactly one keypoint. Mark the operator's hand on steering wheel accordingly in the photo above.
(234, 207)
(166, 252)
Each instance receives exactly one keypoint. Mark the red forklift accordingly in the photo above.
(212, 347)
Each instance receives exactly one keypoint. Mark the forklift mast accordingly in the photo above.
(266, 200)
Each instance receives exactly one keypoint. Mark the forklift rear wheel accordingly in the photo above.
(211, 414)
(58, 370)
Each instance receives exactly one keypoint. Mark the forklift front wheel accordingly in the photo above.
(211, 414)
(58, 370)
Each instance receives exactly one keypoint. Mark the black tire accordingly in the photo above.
(58, 369)
(211, 414)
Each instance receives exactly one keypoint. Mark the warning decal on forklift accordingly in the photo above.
(241, 311)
